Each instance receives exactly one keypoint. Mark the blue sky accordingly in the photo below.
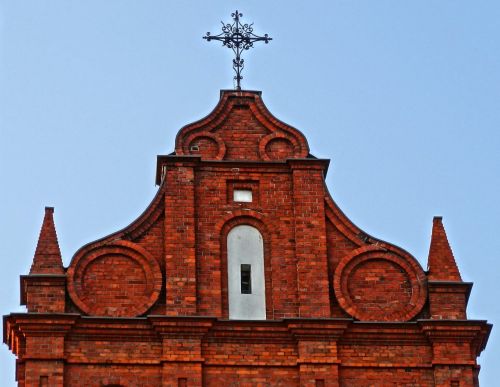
(403, 96)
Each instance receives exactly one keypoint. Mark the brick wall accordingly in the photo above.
(148, 305)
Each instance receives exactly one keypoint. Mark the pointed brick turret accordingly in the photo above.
(47, 258)
(441, 264)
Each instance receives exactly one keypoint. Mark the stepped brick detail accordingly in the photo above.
(149, 305)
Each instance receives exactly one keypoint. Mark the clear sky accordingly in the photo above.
(403, 96)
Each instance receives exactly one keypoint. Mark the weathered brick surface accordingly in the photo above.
(44, 293)
(47, 259)
(250, 376)
(43, 373)
(148, 305)
(310, 241)
(448, 295)
(100, 375)
(387, 377)
(271, 213)
(441, 264)
(119, 279)
(448, 301)
(180, 240)
(403, 355)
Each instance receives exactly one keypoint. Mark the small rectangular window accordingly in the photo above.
(242, 195)
(246, 279)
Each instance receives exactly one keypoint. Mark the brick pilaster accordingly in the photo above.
(180, 238)
(182, 361)
(317, 349)
(310, 238)
(42, 357)
(455, 347)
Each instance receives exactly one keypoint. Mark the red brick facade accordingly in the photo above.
(148, 305)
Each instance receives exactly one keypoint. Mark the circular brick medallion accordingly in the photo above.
(279, 146)
(377, 285)
(207, 145)
(119, 280)
(279, 149)
(204, 146)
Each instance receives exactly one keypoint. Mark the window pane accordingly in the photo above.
(246, 279)
(242, 195)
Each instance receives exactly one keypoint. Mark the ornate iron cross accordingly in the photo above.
(238, 37)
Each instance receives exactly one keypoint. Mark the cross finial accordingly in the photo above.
(238, 37)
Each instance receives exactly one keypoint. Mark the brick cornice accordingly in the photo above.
(113, 329)
(318, 329)
(181, 327)
(165, 161)
(18, 326)
(210, 329)
(42, 324)
(386, 333)
(473, 332)
(309, 163)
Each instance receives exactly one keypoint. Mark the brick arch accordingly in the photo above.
(255, 220)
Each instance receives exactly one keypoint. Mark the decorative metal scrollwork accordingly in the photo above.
(238, 37)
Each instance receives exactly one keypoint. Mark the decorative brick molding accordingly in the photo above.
(120, 280)
(279, 146)
(241, 128)
(209, 146)
(148, 305)
(160, 350)
(372, 284)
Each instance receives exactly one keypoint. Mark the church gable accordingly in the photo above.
(243, 270)
(241, 128)
(176, 257)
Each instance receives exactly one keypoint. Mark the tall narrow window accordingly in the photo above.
(246, 279)
(245, 273)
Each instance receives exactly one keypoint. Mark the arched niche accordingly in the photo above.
(245, 273)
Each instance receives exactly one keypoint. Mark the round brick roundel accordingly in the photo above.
(280, 146)
(205, 146)
(379, 286)
(209, 146)
(118, 280)
(279, 149)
